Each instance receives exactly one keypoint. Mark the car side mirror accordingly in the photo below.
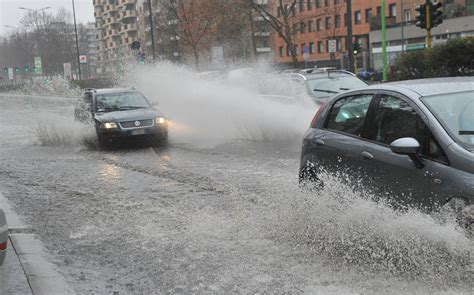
(410, 147)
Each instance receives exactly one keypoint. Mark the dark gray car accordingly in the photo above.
(412, 140)
(122, 114)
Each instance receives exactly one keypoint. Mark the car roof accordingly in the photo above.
(316, 74)
(110, 90)
(428, 87)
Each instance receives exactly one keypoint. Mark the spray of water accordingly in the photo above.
(350, 229)
(207, 112)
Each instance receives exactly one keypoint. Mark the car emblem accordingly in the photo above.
(137, 123)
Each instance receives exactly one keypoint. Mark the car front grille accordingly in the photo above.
(133, 124)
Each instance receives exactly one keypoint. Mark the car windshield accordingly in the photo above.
(321, 87)
(456, 112)
(120, 101)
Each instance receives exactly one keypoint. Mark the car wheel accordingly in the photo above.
(460, 209)
(308, 178)
(160, 140)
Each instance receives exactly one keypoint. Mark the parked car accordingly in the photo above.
(122, 114)
(369, 74)
(3, 236)
(411, 140)
(315, 85)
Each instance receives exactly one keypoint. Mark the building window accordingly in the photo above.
(295, 28)
(311, 47)
(328, 23)
(296, 50)
(310, 4)
(337, 21)
(301, 5)
(392, 10)
(320, 47)
(339, 44)
(288, 51)
(303, 48)
(310, 26)
(281, 51)
(326, 3)
(336, 2)
(318, 3)
(319, 25)
(368, 15)
(407, 15)
(345, 19)
(357, 18)
(279, 9)
(379, 10)
(302, 27)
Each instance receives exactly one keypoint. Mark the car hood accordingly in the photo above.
(128, 115)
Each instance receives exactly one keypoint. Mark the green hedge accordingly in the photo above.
(450, 59)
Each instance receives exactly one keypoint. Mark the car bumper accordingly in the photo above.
(3, 236)
(133, 133)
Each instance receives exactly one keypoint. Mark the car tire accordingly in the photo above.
(160, 140)
(308, 178)
(457, 208)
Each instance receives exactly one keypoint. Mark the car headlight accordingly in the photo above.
(160, 121)
(108, 125)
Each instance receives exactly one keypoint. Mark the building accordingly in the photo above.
(316, 22)
(117, 28)
(88, 47)
(414, 38)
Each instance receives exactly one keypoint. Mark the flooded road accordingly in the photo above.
(227, 217)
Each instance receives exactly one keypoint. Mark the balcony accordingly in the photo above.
(129, 14)
(128, 28)
(99, 3)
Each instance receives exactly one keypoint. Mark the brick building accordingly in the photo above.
(315, 22)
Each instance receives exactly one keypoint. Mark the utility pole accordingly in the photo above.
(428, 23)
(384, 43)
(350, 53)
(77, 41)
(152, 30)
(403, 26)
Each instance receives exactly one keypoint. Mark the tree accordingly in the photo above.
(193, 22)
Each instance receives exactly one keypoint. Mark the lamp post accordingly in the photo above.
(152, 30)
(35, 12)
(77, 41)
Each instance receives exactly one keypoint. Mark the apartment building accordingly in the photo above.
(315, 22)
(117, 28)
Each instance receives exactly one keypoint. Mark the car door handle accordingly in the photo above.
(367, 155)
(319, 142)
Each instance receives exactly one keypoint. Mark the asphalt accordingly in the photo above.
(26, 269)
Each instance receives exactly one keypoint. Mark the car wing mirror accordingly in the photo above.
(410, 147)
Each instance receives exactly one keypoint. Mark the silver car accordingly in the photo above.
(3, 236)
(411, 140)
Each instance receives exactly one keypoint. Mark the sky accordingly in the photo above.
(10, 15)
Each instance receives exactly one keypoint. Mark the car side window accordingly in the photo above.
(348, 114)
(394, 119)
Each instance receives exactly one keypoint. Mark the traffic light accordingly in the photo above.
(17, 69)
(5, 70)
(421, 16)
(27, 69)
(436, 13)
(356, 47)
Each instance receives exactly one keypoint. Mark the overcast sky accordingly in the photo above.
(10, 15)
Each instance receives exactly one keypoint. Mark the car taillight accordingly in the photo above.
(3, 246)
(316, 116)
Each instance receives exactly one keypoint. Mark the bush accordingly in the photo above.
(450, 59)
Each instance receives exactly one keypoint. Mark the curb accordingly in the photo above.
(42, 275)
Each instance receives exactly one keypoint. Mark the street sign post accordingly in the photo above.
(38, 65)
(10, 73)
(332, 46)
(82, 59)
(67, 70)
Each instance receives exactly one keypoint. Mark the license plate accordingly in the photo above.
(138, 132)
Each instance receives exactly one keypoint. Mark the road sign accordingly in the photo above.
(10, 73)
(38, 66)
(67, 70)
(332, 46)
(82, 59)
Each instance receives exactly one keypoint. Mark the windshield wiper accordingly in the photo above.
(466, 132)
(131, 107)
(325, 90)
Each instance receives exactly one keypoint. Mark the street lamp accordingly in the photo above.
(77, 41)
(34, 10)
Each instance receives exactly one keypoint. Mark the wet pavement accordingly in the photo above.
(177, 219)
